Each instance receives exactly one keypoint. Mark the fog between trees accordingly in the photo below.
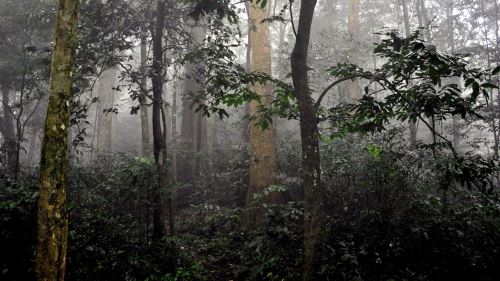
(249, 140)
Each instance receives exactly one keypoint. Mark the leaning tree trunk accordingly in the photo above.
(159, 134)
(50, 261)
(314, 214)
(263, 164)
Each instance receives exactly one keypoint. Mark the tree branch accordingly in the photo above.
(325, 91)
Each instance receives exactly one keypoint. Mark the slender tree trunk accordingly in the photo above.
(50, 261)
(146, 143)
(174, 129)
(406, 17)
(451, 42)
(497, 55)
(245, 123)
(106, 99)
(314, 214)
(10, 144)
(159, 141)
(353, 88)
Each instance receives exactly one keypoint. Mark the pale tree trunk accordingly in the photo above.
(105, 117)
(174, 129)
(192, 123)
(50, 261)
(406, 17)
(263, 164)
(314, 213)
(423, 22)
(146, 143)
(245, 123)
(353, 89)
(10, 143)
(423, 19)
(159, 133)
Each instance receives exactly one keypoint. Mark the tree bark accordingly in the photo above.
(10, 143)
(106, 99)
(146, 143)
(423, 19)
(451, 42)
(314, 214)
(263, 164)
(406, 18)
(193, 126)
(159, 141)
(50, 261)
(353, 89)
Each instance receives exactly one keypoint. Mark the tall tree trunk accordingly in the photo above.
(263, 164)
(406, 17)
(106, 99)
(497, 55)
(192, 125)
(174, 129)
(146, 143)
(456, 80)
(245, 122)
(10, 144)
(423, 19)
(50, 261)
(353, 88)
(159, 134)
(314, 213)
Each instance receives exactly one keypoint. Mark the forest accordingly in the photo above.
(199, 140)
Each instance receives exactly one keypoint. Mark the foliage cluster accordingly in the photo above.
(387, 220)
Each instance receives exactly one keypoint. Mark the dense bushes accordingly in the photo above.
(387, 220)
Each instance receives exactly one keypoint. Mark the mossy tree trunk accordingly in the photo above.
(50, 261)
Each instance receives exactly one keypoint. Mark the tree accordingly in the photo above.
(23, 71)
(314, 215)
(406, 18)
(8, 131)
(105, 117)
(50, 262)
(263, 164)
(353, 89)
(146, 145)
(193, 126)
(451, 42)
(159, 123)
(429, 96)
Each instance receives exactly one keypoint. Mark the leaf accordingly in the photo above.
(496, 70)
